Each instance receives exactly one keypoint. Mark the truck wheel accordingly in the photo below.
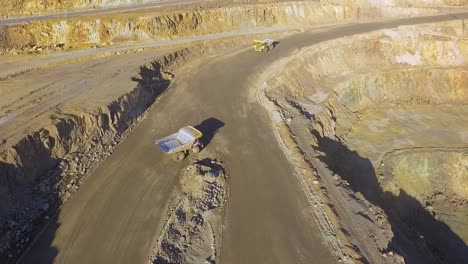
(179, 156)
(195, 149)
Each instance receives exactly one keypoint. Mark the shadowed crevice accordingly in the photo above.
(418, 236)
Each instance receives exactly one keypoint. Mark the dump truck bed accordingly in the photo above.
(169, 143)
(180, 141)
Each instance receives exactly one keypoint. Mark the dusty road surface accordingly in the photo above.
(118, 211)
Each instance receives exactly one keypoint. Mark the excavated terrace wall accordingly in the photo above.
(401, 3)
(381, 69)
(43, 169)
(438, 171)
(34, 7)
(118, 29)
(324, 91)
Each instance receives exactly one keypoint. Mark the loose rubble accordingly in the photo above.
(192, 233)
(43, 199)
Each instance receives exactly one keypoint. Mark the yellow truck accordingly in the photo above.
(263, 45)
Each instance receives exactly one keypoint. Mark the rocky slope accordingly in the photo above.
(34, 7)
(86, 32)
(193, 230)
(350, 104)
(42, 170)
(401, 3)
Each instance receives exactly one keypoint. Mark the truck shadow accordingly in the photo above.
(275, 44)
(209, 127)
(418, 236)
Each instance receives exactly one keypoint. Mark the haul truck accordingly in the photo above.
(263, 45)
(179, 144)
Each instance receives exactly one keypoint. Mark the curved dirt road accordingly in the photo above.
(118, 211)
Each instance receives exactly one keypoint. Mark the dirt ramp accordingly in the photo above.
(192, 233)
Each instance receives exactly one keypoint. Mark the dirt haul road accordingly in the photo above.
(119, 210)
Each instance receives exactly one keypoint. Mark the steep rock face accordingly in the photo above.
(437, 178)
(352, 103)
(71, 127)
(425, 173)
(381, 69)
(41, 171)
(71, 130)
(122, 28)
(67, 132)
(400, 3)
(32, 7)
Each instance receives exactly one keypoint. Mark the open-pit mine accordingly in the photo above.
(339, 136)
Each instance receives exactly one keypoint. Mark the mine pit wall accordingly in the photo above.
(69, 132)
(438, 179)
(101, 31)
(42, 170)
(382, 69)
(47, 166)
(440, 171)
(400, 3)
(35, 7)
(330, 84)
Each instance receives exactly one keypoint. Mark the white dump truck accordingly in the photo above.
(180, 143)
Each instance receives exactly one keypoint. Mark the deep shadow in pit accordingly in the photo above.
(154, 81)
(37, 235)
(152, 77)
(214, 166)
(209, 127)
(18, 193)
(418, 236)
